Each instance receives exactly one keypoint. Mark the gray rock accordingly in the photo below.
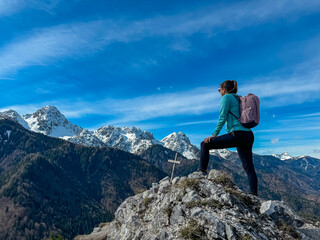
(172, 209)
(177, 215)
(164, 187)
(190, 196)
(310, 231)
(213, 174)
(278, 210)
(197, 175)
(230, 232)
(175, 180)
(164, 179)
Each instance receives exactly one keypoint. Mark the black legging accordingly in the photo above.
(243, 140)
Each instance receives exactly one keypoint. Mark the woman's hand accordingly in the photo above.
(207, 140)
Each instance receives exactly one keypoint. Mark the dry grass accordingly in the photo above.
(225, 180)
(103, 224)
(246, 237)
(147, 201)
(288, 229)
(202, 203)
(242, 197)
(168, 210)
(193, 231)
(188, 183)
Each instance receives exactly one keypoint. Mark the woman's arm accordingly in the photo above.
(225, 106)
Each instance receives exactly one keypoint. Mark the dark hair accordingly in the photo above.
(230, 85)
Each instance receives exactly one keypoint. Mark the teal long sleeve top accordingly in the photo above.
(229, 103)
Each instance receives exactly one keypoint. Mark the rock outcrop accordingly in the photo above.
(202, 207)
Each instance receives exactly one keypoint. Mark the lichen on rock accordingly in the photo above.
(202, 207)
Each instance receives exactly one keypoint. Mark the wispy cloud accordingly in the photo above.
(311, 115)
(277, 130)
(21, 109)
(43, 46)
(197, 122)
(275, 140)
(193, 102)
(9, 7)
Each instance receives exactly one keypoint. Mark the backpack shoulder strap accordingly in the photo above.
(238, 98)
(233, 115)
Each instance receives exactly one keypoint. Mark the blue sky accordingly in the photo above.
(157, 65)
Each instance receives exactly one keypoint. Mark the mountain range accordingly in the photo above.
(50, 121)
(49, 185)
(53, 181)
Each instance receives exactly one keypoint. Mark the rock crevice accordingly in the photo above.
(202, 207)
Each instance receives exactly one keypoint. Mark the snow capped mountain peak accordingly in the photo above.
(131, 139)
(224, 153)
(283, 156)
(47, 112)
(86, 138)
(180, 136)
(49, 121)
(180, 143)
(11, 114)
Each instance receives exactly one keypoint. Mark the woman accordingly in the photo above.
(237, 136)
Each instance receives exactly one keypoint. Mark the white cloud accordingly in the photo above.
(311, 115)
(275, 140)
(43, 46)
(289, 129)
(197, 122)
(9, 7)
(193, 102)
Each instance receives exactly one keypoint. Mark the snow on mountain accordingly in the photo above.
(15, 117)
(86, 138)
(224, 153)
(283, 156)
(49, 121)
(180, 143)
(133, 139)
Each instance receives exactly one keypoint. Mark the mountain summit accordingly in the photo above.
(49, 121)
(180, 143)
(13, 115)
(283, 156)
(198, 207)
(133, 139)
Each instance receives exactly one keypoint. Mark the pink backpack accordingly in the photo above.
(249, 110)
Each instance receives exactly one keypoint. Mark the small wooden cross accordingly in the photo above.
(174, 164)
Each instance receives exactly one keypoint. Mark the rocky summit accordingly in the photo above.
(202, 207)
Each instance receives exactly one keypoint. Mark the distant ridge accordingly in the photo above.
(50, 121)
(49, 185)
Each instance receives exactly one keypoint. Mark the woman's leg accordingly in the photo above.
(245, 154)
(219, 142)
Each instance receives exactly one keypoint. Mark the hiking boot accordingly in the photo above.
(201, 171)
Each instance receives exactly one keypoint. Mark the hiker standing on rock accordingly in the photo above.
(237, 135)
